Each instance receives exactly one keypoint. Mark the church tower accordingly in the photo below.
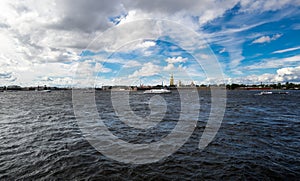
(172, 81)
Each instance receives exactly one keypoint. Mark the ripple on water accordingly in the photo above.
(258, 139)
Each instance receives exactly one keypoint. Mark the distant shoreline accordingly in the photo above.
(93, 89)
(259, 87)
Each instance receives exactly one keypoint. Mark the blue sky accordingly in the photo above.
(53, 42)
(268, 37)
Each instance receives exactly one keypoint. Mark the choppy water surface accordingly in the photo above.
(259, 139)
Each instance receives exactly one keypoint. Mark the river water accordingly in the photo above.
(259, 139)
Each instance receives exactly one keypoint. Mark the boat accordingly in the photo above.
(88, 91)
(269, 93)
(157, 91)
(265, 93)
(44, 91)
(120, 90)
(283, 92)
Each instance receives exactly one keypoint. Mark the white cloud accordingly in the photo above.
(101, 69)
(28, 75)
(266, 39)
(55, 81)
(89, 68)
(232, 41)
(138, 45)
(275, 63)
(291, 74)
(270, 5)
(147, 44)
(169, 67)
(222, 50)
(132, 63)
(148, 69)
(287, 50)
(288, 74)
(178, 10)
(176, 60)
(255, 79)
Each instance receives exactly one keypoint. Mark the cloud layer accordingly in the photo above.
(42, 40)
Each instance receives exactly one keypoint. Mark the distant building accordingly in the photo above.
(179, 83)
(119, 88)
(172, 81)
(193, 84)
(188, 85)
(13, 87)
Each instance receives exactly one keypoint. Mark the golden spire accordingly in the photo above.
(172, 80)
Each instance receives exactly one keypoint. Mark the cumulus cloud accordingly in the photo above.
(287, 74)
(138, 45)
(56, 81)
(171, 61)
(169, 67)
(148, 69)
(176, 60)
(132, 63)
(85, 16)
(266, 39)
(89, 68)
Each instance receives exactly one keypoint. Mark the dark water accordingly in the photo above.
(259, 139)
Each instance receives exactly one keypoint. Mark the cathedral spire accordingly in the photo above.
(172, 81)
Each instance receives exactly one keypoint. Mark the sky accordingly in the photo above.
(130, 42)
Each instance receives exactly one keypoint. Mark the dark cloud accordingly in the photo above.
(94, 15)
(3, 25)
(164, 6)
(7, 76)
(86, 16)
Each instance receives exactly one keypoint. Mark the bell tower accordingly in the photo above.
(172, 81)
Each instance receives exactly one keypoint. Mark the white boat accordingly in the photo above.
(269, 93)
(120, 90)
(265, 93)
(44, 91)
(283, 92)
(157, 91)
